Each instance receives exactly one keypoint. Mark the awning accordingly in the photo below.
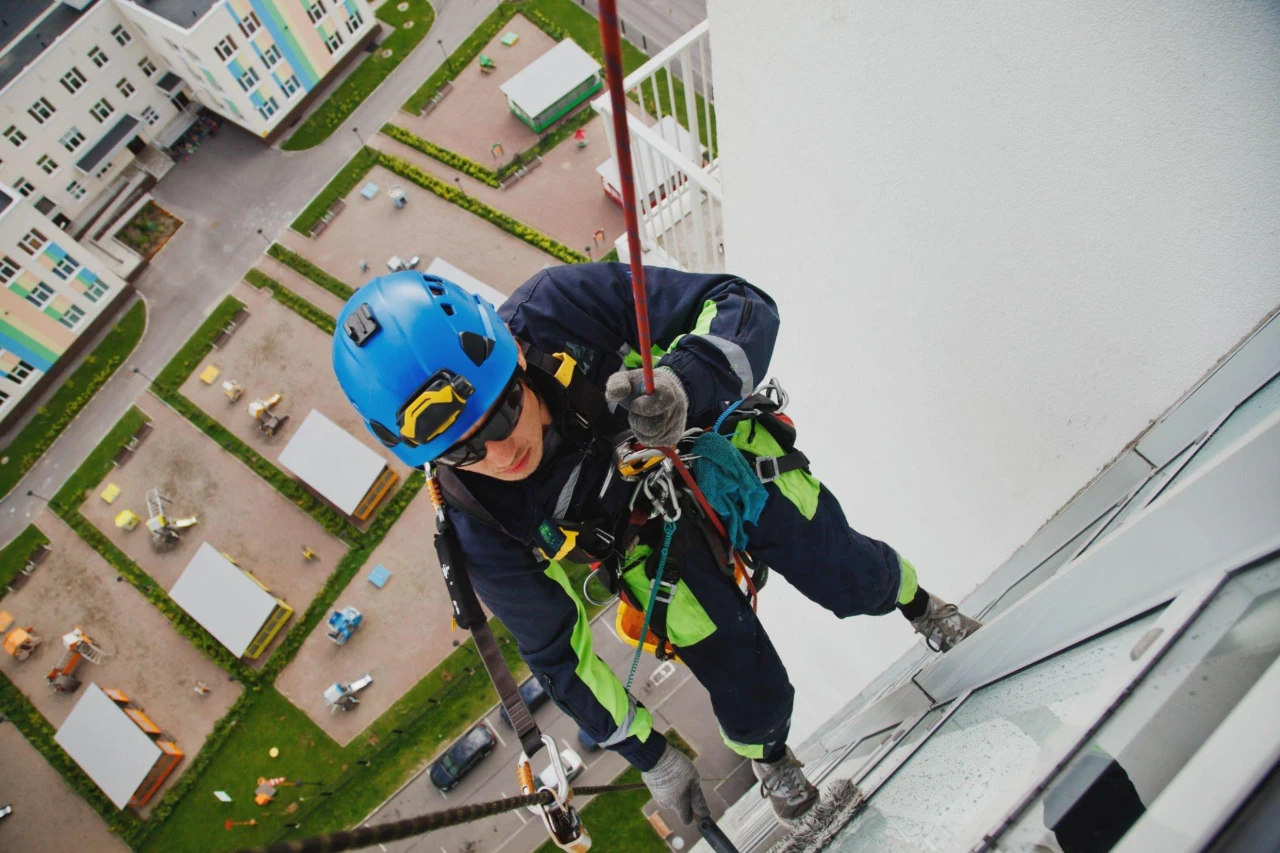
(106, 147)
(169, 82)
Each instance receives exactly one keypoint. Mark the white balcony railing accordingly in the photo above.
(673, 150)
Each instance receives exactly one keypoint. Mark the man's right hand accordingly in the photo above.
(675, 785)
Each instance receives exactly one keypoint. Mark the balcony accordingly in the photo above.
(671, 121)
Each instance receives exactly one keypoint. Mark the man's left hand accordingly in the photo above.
(658, 419)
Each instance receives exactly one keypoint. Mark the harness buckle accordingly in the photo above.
(767, 468)
(666, 592)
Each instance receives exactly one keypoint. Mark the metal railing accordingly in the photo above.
(671, 119)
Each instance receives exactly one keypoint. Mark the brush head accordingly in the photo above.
(840, 802)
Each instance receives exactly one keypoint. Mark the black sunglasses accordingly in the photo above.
(499, 425)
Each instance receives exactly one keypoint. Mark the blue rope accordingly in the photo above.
(668, 531)
(726, 413)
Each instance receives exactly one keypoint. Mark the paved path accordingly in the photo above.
(228, 190)
(675, 699)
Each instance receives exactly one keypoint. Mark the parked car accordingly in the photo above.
(587, 742)
(534, 696)
(462, 757)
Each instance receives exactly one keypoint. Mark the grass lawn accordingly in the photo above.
(50, 420)
(14, 556)
(399, 42)
(306, 269)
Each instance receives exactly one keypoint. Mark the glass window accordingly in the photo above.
(99, 58)
(989, 751)
(248, 79)
(48, 164)
(150, 116)
(316, 10)
(8, 269)
(4, 398)
(291, 85)
(102, 110)
(73, 80)
(17, 137)
(32, 242)
(25, 187)
(1041, 573)
(72, 317)
(334, 41)
(42, 110)
(121, 35)
(148, 67)
(1245, 417)
(95, 290)
(225, 48)
(354, 22)
(76, 190)
(125, 88)
(72, 139)
(1146, 492)
(249, 24)
(1175, 708)
(268, 108)
(19, 372)
(271, 55)
(66, 267)
(40, 295)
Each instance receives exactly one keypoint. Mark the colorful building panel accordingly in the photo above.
(296, 37)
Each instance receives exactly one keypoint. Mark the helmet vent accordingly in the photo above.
(475, 347)
(447, 308)
(436, 289)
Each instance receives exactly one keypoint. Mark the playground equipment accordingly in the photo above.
(343, 623)
(395, 263)
(580, 138)
(398, 198)
(308, 554)
(164, 531)
(268, 421)
(342, 697)
(232, 390)
(127, 520)
(18, 642)
(487, 65)
(79, 647)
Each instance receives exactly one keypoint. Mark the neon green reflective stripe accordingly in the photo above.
(687, 622)
(633, 361)
(798, 486)
(595, 673)
(703, 324)
(746, 750)
(908, 586)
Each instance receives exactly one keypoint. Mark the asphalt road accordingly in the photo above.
(670, 692)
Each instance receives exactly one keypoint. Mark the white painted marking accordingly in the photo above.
(494, 729)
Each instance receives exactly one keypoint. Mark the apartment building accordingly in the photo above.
(93, 91)
(53, 293)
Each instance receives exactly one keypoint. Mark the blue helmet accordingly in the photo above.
(422, 361)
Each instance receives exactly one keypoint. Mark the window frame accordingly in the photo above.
(42, 110)
(25, 188)
(316, 11)
(97, 290)
(226, 48)
(14, 131)
(284, 85)
(329, 42)
(150, 115)
(9, 269)
(146, 63)
(124, 83)
(272, 55)
(357, 18)
(76, 196)
(44, 290)
(100, 54)
(122, 35)
(262, 108)
(248, 79)
(72, 139)
(45, 161)
(23, 370)
(32, 250)
(71, 264)
(75, 314)
(102, 102)
(252, 18)
(76, 76)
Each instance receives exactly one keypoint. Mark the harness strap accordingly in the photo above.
(770, 468)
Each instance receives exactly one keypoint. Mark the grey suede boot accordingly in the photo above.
(784, 783)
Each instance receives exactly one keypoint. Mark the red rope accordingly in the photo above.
(612, 45)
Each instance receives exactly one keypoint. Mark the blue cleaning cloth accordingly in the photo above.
(731, 486)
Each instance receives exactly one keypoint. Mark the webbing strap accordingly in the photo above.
(508, 691)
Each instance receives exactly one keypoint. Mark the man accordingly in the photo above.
(507, 405)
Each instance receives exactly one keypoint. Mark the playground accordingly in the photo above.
(239, 514)
(144, 655)
(373, 230)
(276, 350)
(404, 635)
(475, 114)
(36, 791)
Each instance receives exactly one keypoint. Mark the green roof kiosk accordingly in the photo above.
(552, 85)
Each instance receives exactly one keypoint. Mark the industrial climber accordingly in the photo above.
(522, 411)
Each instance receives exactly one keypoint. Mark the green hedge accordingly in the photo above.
(462, 164)
(460, 58)
(449, 192)
(291, 300)
(308, 270)
(337, 188)
(18, 710)
(51, 419)
(15, 556)
(560, 133)
(370, 73)
(198, 345)
(97, 464)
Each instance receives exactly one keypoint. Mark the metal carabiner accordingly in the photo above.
(560, 819)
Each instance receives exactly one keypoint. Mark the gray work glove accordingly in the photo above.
(674, 783)
(658, 419)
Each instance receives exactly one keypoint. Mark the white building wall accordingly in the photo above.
(192, 53)
(1004, 237)
(39, 324)
(73, 110)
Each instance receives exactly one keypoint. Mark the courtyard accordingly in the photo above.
(405, 633)
(240, 514)
(146, 658)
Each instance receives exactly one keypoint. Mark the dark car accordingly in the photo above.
(534, 696)
(587, 742)
(462, 757)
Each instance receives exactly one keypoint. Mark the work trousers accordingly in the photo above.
(829, 562)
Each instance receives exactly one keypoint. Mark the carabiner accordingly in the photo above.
(560, 819)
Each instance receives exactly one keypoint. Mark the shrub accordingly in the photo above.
(370, 73)
(291, 300)
(454, 161)
(306, 269)
(26, 448)
(451, 193)
(15, 556)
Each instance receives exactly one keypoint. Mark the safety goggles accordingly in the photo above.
(499, 425)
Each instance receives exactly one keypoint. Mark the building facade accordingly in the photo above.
(53, 292)
(86, 88)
